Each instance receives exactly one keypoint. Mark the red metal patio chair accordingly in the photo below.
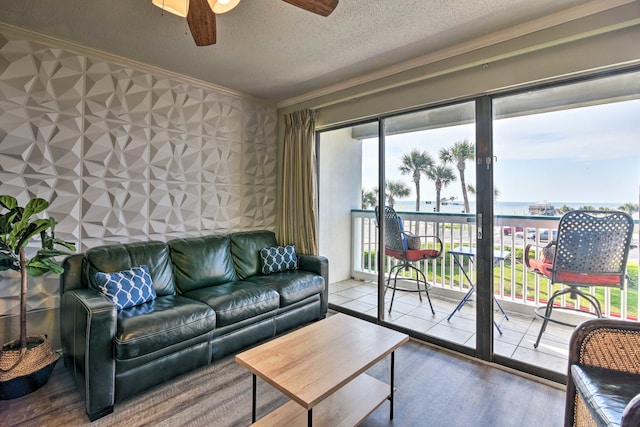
(591, 250)
(407, 249)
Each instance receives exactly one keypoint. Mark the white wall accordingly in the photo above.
(340, 191)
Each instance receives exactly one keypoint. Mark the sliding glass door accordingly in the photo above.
(484, 178)
(428, 160)
(560, 148)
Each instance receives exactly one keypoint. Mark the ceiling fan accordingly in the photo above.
(201, 14)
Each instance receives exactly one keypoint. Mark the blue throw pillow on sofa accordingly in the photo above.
(127, 288)
(278, 258)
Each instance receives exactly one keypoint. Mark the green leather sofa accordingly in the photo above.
(212, 300)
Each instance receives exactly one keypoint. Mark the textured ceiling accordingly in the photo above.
(271, 50)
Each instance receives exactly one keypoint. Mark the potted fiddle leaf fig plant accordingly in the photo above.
(26, 364)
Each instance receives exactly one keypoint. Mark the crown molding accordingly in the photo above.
(126, 62)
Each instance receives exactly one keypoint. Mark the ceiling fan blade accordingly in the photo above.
(320, 7)
(202, 22)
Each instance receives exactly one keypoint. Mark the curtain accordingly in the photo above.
(298, 219)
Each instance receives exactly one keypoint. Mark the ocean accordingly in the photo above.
(500, 207)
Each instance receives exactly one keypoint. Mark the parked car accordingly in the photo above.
(507, 230)
(521, 234)
(544, 234)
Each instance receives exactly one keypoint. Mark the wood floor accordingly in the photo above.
(434, 388)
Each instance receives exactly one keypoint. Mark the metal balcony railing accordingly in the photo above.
(512, 281)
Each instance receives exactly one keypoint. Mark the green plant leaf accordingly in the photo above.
(69, 245)
(4, 248)
(40, 266)
(7, 220)
(8, 202)
(15, 227)
(31, 230)
(8, 262)
(57, 269)
(36, 270)
(5, 256)
(50, 253)
(35, 206)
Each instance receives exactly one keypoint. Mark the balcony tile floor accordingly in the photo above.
(516, 342)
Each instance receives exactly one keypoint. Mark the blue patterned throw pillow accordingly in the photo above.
(278, 258)
(127, 288)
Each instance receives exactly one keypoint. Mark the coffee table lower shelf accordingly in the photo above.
(348, 406)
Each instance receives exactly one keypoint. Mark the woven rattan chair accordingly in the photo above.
(603, 379)
(592, 248)
(407, 249)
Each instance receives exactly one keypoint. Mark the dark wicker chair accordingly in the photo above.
(592, 248)
(603, 378)
(407, 249)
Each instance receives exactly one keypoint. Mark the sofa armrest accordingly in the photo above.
(87, 330)
(320, 265)
(71, 278)
(631, 414)
(315, 264)
(605, 343)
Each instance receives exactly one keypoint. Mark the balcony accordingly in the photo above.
(517, 290)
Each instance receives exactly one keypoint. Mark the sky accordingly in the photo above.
(580, 155)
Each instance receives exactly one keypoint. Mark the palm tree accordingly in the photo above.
(629, 208)
(416, 163)
(459, 153)
(369, 199)
(564, 209)
(442, 175)
(471, 189)
(396, 189)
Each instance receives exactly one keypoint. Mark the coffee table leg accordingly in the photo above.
(310, 417)
(393, 360)
(253, 400)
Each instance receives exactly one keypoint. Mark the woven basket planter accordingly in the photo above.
(24, 372)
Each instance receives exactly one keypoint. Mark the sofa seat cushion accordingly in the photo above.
(292, 286)
(160, 323)
(236, 301)
(605, 391)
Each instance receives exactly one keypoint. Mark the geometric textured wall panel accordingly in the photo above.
(124, 154)
(115, 150)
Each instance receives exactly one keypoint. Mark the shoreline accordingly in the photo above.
(502, 207)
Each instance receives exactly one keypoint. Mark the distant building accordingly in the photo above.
(542, 209)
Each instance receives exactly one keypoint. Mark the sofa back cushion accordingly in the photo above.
(119, 257)
(200, 262)
(245, 250)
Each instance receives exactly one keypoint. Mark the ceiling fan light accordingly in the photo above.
(222, 6)
(177, 7)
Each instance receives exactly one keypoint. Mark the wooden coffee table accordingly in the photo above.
(321, 369)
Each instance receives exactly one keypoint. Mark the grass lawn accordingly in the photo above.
(516, 275)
